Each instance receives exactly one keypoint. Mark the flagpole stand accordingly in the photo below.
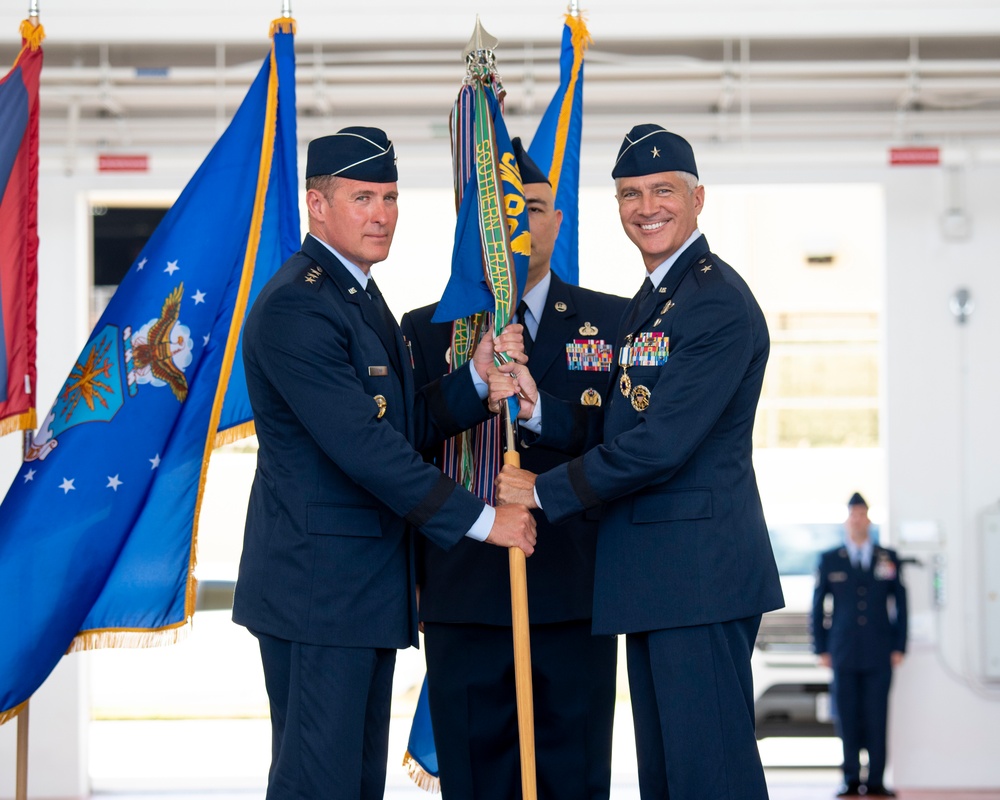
(522, 638)
(21, 787)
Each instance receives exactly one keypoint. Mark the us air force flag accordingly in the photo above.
(97, 532)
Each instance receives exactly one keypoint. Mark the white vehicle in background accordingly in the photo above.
(791, 689)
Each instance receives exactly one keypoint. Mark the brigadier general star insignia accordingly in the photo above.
(707, 268)
(656, 152)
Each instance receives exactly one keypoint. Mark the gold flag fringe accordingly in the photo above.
(32, 34)
(127, 637)
(234, 434)
(19, 422)
(11, 713)
(282, 25)
(420, 776)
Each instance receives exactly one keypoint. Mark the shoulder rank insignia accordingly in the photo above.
(587, 329)
(707, 268)
(313, 274)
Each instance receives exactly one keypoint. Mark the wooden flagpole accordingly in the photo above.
(522, 635)
(21, 787)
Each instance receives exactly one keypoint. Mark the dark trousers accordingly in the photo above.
(470, 683)
(862, 698)
(329, 719)
(692, 706)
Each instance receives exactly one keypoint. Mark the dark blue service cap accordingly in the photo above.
(649, 149)
(530, 171)
(362, 154)
(857, 500)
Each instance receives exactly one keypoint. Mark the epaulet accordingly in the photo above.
(706, 269)
(314, 276)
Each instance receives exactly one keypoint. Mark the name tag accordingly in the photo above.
(589, 355)
(837, 577)
(377, 372)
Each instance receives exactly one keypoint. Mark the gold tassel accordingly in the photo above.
(19, 422)
(420, 776)
(282, 25)
(123, 637)
(11, 713)
(234, 434)
(32, 34)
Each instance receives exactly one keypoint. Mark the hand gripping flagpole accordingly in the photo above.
(499, 269)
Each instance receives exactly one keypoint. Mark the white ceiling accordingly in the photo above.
(775, 72)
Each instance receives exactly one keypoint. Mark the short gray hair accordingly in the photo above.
(324, 184)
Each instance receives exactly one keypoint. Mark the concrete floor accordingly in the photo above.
(228, 759)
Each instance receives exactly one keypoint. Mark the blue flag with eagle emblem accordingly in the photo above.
(98, 529)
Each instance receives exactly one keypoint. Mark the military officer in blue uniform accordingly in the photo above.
(326, 576)
(465, 592)
(863, 640)
(684, 563)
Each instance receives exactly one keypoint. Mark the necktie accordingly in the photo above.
(522, 309)
(383, 310)
(644, 292)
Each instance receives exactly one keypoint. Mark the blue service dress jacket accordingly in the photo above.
(868, 622)
(468, 583)
(327, 555)
(682, 539)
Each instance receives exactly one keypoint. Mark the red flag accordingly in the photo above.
(19, 233)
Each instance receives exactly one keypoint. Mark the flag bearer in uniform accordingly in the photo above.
(465, 592)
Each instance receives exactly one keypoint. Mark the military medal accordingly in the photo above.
(884, 570)
(625, 382)
(640, 398)
(382, 405)
(589, 355)
(590, 397)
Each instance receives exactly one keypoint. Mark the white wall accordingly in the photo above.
(944, 466)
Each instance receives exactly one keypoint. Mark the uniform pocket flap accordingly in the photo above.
(332, 519)
(669, 506)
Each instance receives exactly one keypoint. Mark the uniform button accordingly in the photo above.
(862, 590)
(862, 621)
(862, 605)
